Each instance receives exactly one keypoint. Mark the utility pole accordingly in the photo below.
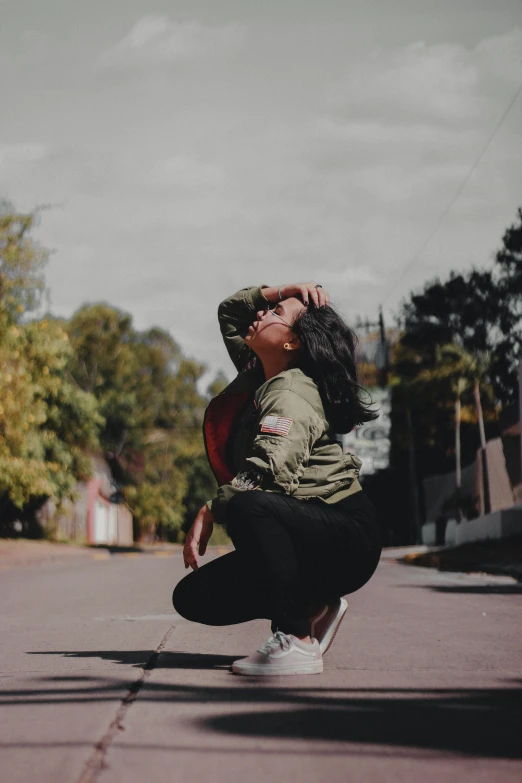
(382, 359)
(412, 470)
(458, 466)
(520, 413)
(382, 353)
(483, 450)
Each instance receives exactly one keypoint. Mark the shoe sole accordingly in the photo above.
(260, 670)
(328, 639)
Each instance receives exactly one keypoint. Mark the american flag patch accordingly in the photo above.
(279, 425)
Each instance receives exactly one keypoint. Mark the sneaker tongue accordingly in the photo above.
(279, 639)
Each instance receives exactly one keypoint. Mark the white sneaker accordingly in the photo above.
(282, 654)
(325, 624)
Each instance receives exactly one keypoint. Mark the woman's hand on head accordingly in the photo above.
(197, 537)
(303, 291)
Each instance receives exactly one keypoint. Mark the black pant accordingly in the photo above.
(289, 555)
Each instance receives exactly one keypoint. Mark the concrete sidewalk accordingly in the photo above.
(16, 552)
(103, 682)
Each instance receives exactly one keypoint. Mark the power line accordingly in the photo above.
(455, 198)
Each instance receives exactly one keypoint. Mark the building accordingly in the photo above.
(501, 516)
(92, 517)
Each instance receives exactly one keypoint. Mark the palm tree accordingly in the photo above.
(463, 369)
(459, 386)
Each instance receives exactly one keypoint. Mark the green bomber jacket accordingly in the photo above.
(270, 435)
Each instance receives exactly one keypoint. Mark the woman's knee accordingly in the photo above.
(184, 598)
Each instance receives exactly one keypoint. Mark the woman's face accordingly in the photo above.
(272, 328)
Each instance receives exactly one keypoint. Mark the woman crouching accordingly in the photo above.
(304, 533)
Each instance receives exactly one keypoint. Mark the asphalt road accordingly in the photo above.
(101, 681)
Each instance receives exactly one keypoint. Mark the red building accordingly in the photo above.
(91, 517)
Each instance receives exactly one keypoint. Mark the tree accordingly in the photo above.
(481, 311)
(68, 389)
(219, 383)
(106, 365)
(508, 267)
(462, 370)
(46, 422)
(21, 264)
(147, 393)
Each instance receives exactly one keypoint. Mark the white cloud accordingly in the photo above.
(409, 123)
(177, 191)
(146, 30)
(157, 39)
(16, 154)
(360, 275)
(184, 172)
(416, 82)
(398, 182)
(442, 83)
(499, 57)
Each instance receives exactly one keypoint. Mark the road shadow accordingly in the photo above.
(140, 658)
(488, 589)
(470, 721)
(476, 723)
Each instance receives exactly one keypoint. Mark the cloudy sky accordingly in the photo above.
(193, 147)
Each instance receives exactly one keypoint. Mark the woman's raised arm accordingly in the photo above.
(235, 315)
(237, 312)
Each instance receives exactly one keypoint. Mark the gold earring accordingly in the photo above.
(287, 347)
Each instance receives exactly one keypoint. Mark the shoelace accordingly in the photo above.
(278, 639)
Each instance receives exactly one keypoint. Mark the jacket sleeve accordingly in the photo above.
(235, 315)
(287, 428)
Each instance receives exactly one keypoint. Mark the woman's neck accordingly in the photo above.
(273, 365)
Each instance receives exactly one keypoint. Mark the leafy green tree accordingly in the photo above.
(22, 262)
(201, 486)
(46, 423)
(147, 392)
(507, 347)
(219, 383)
(106, 365)
(481, 311)
(461, 371)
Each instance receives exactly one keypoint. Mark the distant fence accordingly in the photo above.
(439, 491)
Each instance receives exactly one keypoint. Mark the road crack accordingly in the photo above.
(96, 763)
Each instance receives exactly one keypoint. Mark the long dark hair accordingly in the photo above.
(327, 355)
